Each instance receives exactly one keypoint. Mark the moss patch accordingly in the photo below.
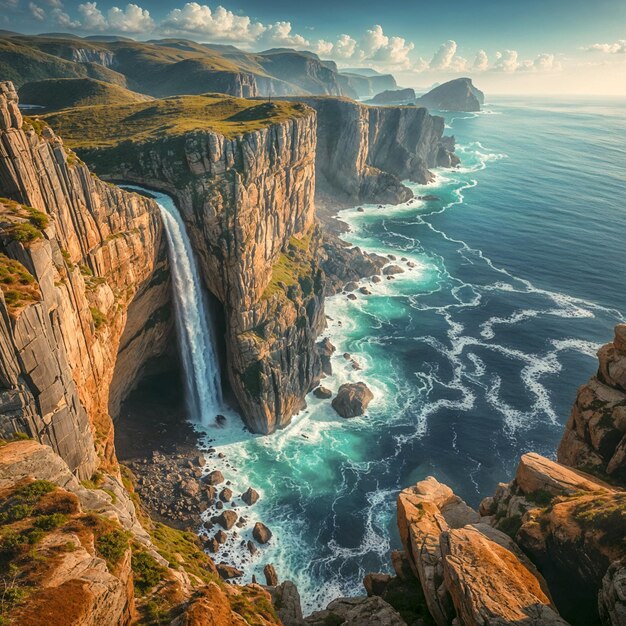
(17, 284)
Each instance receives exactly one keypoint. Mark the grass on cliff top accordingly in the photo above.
(61, 93)
(17, 284)
(108, 126)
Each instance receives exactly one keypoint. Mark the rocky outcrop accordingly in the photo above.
(248, 204)
(360, 611)
(455, 95)
(363, 153)
(595, 434)
(352, 399)
(90, 248)
(394, 96)
(612, 596)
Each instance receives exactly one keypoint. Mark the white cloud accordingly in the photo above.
(481, 62)
(63, 20)
(619, 47)
(280, 34)
(443, 57)
(217, 25)
(92, 18)
(509, 61)
(506, 61)
(36, 11)
(132, 19)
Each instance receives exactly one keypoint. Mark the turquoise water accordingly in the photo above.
(474, 355)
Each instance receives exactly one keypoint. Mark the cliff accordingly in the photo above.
(90, 248)
(364, 153)
(394, 96)
(545, 548)
(243, 176)
(455, 95)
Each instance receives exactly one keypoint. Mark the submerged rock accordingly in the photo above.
(352, 399)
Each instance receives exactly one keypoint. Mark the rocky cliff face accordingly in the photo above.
(548, 546)
(248, 204)
(363, 153)
(88, 248)
(455, 95)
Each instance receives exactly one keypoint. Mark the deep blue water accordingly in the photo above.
(474, 355)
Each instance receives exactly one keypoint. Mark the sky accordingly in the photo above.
(506, 46)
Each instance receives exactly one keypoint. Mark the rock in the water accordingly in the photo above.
(213, 545)
(227, 572)
(392, 269)
(271, 577)
(323, 393)
(221, 536)
(325, 350)
(226, 494)
(352, 399)
(227, 519)
(252, 549)
(214, 478)
(250, 496)
(261, 533)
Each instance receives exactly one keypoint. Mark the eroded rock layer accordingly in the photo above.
(90, 249)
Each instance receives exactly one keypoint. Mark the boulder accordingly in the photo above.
(352, 399)
(226, 494)
(376, 584)
(359, 611)
(323, 393)
(286, 601)
(271, 577)
(227, 519)
(489, 585)
(214, 478)
(261, 533)
(250, 496)
(392, 269)
(221, 536)
(612, 595)
(227, 572)
(325, 349)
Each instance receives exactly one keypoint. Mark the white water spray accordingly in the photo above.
(193, 322)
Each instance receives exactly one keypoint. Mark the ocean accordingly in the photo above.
(474, 355)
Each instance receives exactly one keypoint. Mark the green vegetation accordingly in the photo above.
(541, 497)
(62, 93)
(510, 525)
(293, 268)
(111, 126)
(112, 546)
(605, 512)
(20, 222)
(146, 571)
(256, 610)
(99, 318)
(17, 284)
(34, 123)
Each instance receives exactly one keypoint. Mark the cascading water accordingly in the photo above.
(193, 322)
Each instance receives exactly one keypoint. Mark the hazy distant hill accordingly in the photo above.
(455, 95)
(175, 66)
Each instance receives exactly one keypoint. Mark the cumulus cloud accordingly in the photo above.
(509, 61)
(443, 57)
(619, 47)
(132, 19)
(36, 11)
(374, 47)
(481, 62)
(62, 19)
(281, 34)
(219, 24)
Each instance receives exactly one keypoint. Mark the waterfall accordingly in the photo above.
(193, 323)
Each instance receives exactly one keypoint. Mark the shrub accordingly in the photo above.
(112, 546)
(24, 232)
(50, 522)
(99, 318)
(33, 491)
(146, 571)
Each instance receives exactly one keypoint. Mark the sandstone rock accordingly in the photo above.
(227, 519)
(213, 545)
(261, 533)
(612, 595)
(325, 349)
(286, 601)
(352, 399)
(190, 488)
(323, 393)
(376, 584)
(620, 338)
(488, 583)
(252, 547)
(250, 496)
(226, 494)
(360, 611)
(271, 578)
(227, 572)
(214, 478)
(221, 536)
